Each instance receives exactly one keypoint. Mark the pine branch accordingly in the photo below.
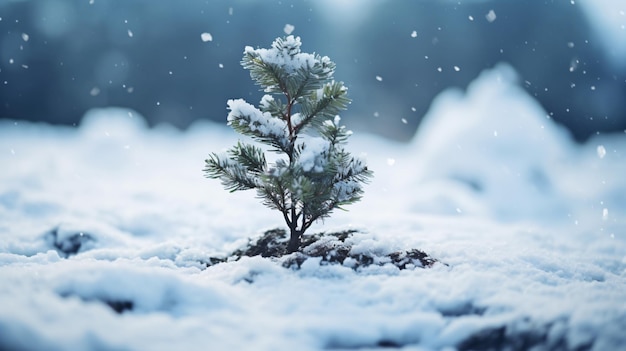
(248, 120)
(310, 78)
(250, 157)
(270, 76)
(351, 173)
(234, 176)
(323, 104)
(273, 106)
(335, 133)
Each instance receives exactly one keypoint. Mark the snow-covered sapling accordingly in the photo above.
(297, 118)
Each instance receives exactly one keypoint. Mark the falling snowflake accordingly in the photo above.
(601, 151)
(289, 28)
(206, 37)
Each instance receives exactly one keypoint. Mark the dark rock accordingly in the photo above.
(331, 247)
(70, 244)
(415, 257)
(508, 338)
(383, 344)
(389, 344)
(272, 244)
(212, 261)
(467, 309)
(120, 306)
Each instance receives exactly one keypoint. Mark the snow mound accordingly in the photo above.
(498, 147)
(112, 122)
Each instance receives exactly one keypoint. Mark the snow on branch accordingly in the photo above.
(248, 120)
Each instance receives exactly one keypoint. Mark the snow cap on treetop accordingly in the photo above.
(285, 52)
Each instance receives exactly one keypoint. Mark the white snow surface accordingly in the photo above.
(530, 226)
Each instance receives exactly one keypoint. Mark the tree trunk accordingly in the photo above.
(294, 241)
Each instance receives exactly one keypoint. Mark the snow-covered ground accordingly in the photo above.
(531, 228)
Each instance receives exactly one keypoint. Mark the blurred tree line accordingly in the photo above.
(59, 58)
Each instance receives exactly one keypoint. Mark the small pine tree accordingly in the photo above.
(297, 119)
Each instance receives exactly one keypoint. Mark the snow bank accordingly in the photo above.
(107, 228)
(499, 144)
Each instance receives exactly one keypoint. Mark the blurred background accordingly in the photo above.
(178, 61)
